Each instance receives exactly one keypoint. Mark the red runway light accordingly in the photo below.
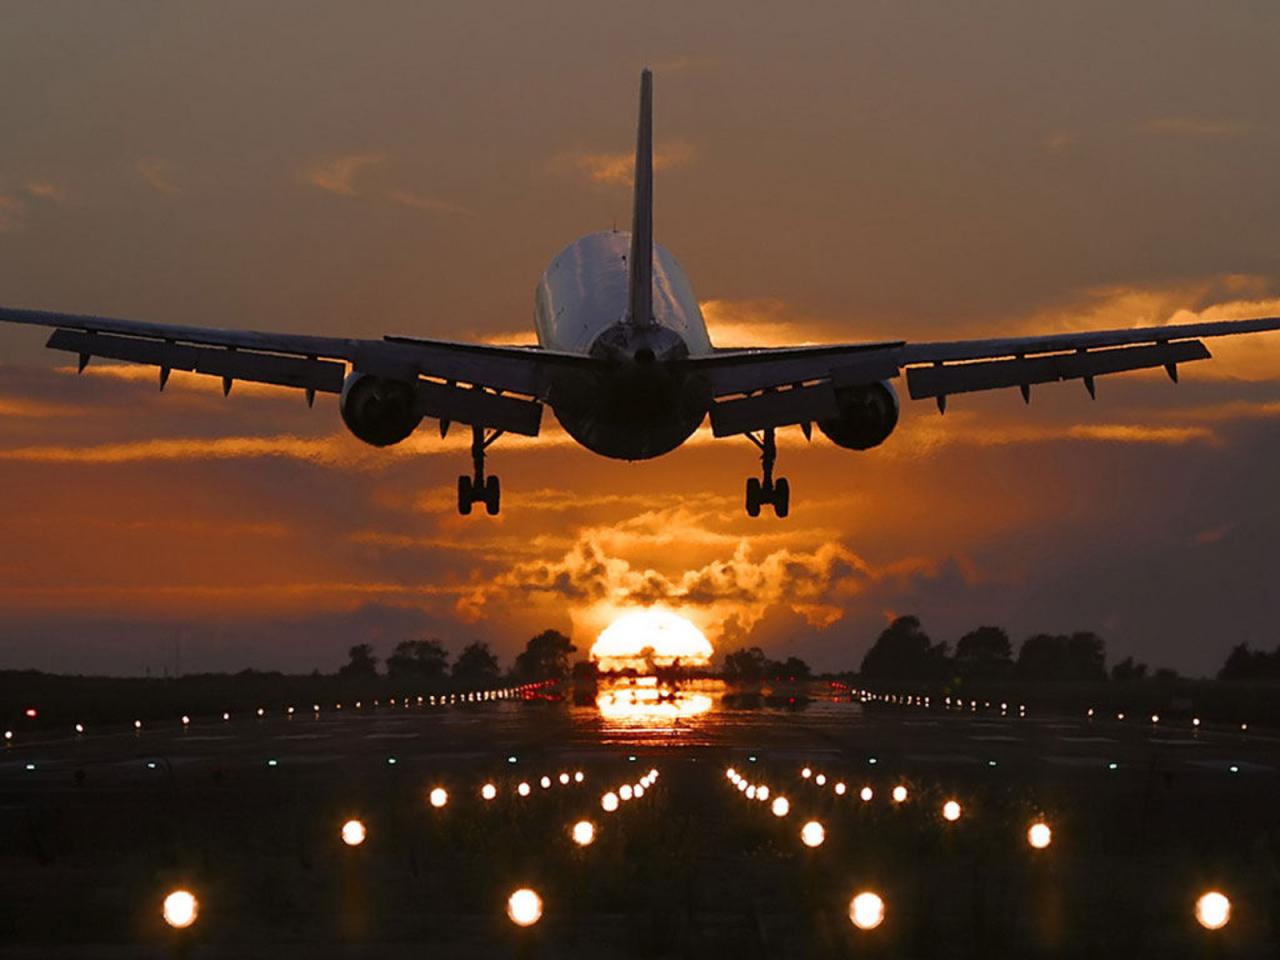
(31, 713)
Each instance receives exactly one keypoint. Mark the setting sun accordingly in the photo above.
(650, 638)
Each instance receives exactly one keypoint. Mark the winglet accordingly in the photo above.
(640, 287)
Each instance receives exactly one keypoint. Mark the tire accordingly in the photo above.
(492, 496)
(753, 497)
(781, 498)
(464, 495)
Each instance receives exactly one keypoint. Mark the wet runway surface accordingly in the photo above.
(94, 828)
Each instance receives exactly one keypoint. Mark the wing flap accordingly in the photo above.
(746, 371)
(941, 380)
(475, 406)
(777, 408)
(307, 374)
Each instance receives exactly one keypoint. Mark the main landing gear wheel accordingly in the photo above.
(765, 489)
(478, 488)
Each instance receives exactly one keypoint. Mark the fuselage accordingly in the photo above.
(643, 402)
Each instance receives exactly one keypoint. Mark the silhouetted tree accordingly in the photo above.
(545, 656)
(418, 660)
(1128, 669)
(793, 668)
(361, 662)
(747, 665)
(1046, 656)
(1245, 664)
(984, 652)
(903, 652)
(476, 664)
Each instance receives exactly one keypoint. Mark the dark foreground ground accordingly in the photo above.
(105, 824)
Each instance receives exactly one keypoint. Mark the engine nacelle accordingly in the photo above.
(867, 416)
(379, 411)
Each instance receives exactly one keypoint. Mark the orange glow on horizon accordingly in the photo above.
(644, 639)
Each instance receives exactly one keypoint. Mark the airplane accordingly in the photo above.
(625, 363)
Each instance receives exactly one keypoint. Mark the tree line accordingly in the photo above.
(425, 660)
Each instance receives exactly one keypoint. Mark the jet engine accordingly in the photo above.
(378, 410)
(868, 414)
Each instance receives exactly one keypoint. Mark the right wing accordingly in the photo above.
(494, 386)
(758, 389)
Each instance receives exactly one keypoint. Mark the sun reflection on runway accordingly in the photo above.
(649, 702)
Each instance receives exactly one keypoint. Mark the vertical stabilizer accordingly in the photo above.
(640, 287)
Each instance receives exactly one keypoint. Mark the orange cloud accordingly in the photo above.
(428, 204)
(11, 211)
(338, 174)
(617, 169)
(46, 190)
(157, 175)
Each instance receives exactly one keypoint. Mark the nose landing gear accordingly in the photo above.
(765, 489)
(478, 488)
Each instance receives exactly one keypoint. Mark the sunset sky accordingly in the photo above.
(843, 171)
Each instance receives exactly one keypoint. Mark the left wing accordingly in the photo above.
(758, 389)
(496, 386)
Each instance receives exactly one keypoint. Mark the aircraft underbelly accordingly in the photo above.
(625, 410)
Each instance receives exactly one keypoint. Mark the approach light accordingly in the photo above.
(609, 802)
(79, 728)
(545, 783)
(743, 784)
(866, 793)
(1213, 910)
(762, 792)
(1233, 768)
(872, 761)
(866, 911)
(488, 791)
(1113, 765)
(524, 907)
(578, 777)
(1039, 835)
(391, 761)
(1195, 721)
(899, 794)
(780, 807)
(30, 713)
(806, 773)
(564, 779)
(511, 759)
(353, 833)
(820, 779)
(730, 773)
(1155, 718)
(262, 712)
(186, 721)
(227, 716)
(30, 767)
(8, 734)
(180, 909)
(584, 833)
(523, 789)
(273, 762)
(624, 791)
(751, 792)
(290, 710)
(951, 811)
(439, 797)
(840, 789)
(812, 834)
(1244, 727)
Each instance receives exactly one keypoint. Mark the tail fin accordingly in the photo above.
(640, 292)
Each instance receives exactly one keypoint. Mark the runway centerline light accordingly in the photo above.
(812, 834)
(866, 793)
(866, 910)
(951, 811)
(584, 833)
(1213, 910)
(488, 791)
(899, 794)
(353, 833)
(439, 797)
(780, 806)
(524, 907)
(180, 909)
(1039, 835)
(609, 802)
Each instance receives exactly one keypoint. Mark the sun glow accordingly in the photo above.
(646, 639)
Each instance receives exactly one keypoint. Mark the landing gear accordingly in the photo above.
(478, 488)
(764, 489)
